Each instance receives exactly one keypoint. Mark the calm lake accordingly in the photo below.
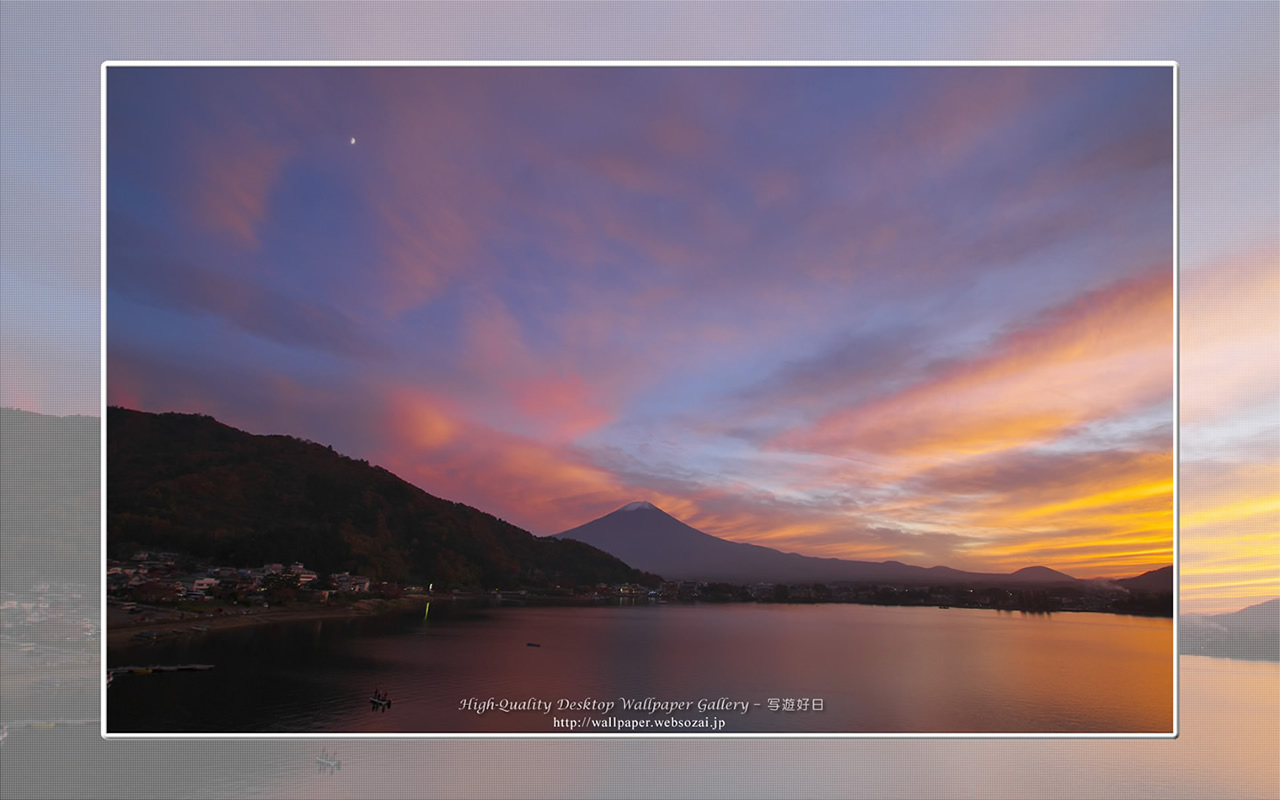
(871, 669)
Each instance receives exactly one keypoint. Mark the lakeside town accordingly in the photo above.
(158, 587)
(50, 624)
(172, 577)
(60, 623)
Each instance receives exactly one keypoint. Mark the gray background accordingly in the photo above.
(50, 56)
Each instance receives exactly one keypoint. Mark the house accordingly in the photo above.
(156, 591)
(346, 582)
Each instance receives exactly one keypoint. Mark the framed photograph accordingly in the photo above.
(654, 399)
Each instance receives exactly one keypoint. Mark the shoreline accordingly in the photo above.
(121, 628)
(120, 633)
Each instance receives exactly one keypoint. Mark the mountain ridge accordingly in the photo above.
(648, 538)
(1251, 633)
(1159, 579)
(188, 483)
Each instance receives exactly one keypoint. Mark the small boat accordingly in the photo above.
(380, 702)
(329, 762)
(532, 644)
(200, 628)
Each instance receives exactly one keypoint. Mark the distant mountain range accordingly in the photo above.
(647, 538)
(1157, 580)
(50, 500)
(190, 484)
(1251, 633)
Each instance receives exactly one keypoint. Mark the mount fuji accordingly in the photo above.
(647, 538)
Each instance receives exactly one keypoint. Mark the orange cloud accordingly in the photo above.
(421, 420)
(1156, 496)
(1124, 528)
(1101, 355)
(1231, 534)
(1104, 513)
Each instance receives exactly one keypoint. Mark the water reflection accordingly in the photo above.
(874, 669)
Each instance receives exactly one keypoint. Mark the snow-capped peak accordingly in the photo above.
(639, 505)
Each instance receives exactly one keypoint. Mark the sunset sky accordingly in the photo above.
(922, 314)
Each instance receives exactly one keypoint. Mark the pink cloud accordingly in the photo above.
(632, 174)
(957, 114)
(1230, 335)
(568, 402)
(774, 188)
(509, 379)
(124, 385)
(234, 175)
(677, 137)
(424, 245)
(531, 483)
(25, 383)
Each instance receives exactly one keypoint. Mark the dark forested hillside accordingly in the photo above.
(188, 483)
